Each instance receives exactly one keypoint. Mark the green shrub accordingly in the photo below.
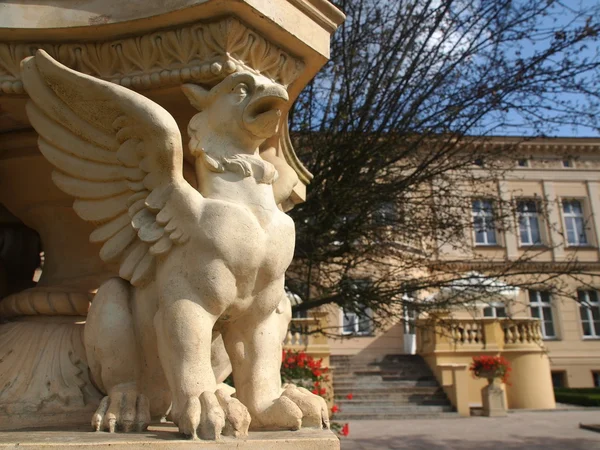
(578, 396)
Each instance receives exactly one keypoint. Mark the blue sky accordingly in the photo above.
(563, 17)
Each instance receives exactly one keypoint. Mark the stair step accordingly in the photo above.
(395, 387)
(378, 408)
(384, 384)
(395, 403)
(375, 378)
(339, 417)
(378, 389)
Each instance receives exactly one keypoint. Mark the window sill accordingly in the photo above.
(357, 335)
(551, 339)
(491, 246)
(534, 247)
(590, 338)
(583, 246)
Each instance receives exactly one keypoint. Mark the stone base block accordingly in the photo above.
(163, 437)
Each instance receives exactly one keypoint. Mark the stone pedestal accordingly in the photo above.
(163, 437)
(492, 397)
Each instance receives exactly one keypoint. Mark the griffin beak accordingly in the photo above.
(262, 115)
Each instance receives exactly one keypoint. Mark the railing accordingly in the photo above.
(492, 334)
(303, 335)
(298, 334)
(448, 346)
(523, 331)
(467, 332)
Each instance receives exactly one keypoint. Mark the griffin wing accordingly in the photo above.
(120, 155)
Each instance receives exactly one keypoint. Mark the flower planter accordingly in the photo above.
(495, 369)
(492, 397)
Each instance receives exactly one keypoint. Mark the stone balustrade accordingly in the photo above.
(303, 335)
(478, 334)
(446, 342)
(522, 331)
(467, 332)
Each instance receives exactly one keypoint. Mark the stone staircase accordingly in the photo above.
(397, 387)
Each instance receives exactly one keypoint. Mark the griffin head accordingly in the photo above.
(236, 116)
(245, 108)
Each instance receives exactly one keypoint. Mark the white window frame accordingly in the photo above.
(486, 217)
(356, 323)
(527, 218)
(385, 215)
(536, 301)
(573, 218)
(494, 308)
(410, 314)
(587, 302)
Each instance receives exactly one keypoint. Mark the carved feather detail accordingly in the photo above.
(119, 155)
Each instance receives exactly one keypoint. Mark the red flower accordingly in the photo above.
(314, 391)
(334, 409)
(350, 396)
(317, 373)
(345, 430)
(316, 384)
(497, 365)
(322, 391)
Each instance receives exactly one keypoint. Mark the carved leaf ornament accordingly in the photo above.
(203, 52)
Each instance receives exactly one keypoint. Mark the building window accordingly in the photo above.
(410, 319)
(596, 378)
(559, 379)
(523, 163)
(529, 222)
(357, 318)
(359, 324)
(385, 215)
(483, 222)
(567, 163)
(574, 222)
(495, 310)
(541, 308)
(589, 308)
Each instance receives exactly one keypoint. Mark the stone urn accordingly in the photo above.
(492, 395)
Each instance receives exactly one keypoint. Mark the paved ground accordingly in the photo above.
(546, 430)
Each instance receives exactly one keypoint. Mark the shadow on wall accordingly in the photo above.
(426, 443)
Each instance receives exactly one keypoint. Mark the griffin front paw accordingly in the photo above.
(122, 410)
(213, 414)
(297, 407)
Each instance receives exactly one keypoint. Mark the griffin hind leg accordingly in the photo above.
(112, 354)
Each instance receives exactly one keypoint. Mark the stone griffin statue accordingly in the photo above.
(197, 268)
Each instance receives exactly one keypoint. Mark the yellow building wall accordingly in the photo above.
(387, 341)
(546, 179)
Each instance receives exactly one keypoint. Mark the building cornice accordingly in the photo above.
(515, 268)
(558, 145)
